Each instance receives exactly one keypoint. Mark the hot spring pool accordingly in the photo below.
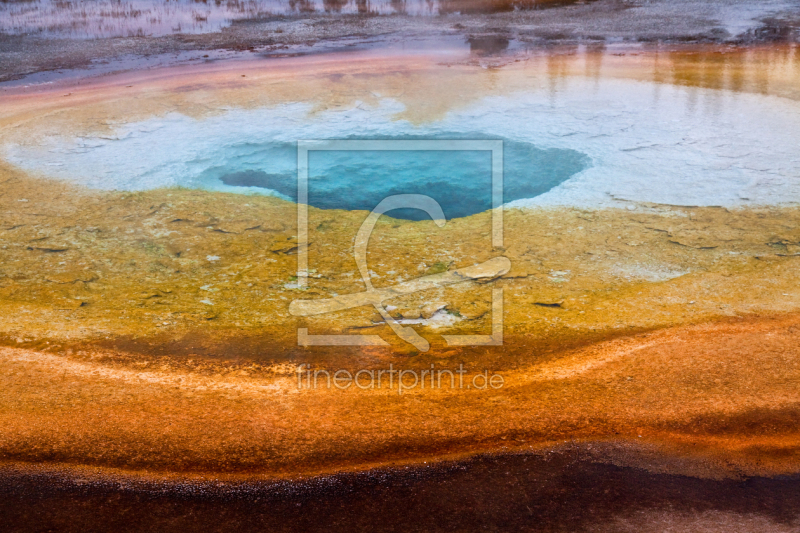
(586, 142)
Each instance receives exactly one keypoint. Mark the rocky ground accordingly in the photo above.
(598, 22)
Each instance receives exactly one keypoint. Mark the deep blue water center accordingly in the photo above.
(461, 181)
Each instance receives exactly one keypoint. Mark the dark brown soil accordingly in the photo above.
(559, 492)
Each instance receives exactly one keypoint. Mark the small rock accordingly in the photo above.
(411, 314)
(287, 246)
(557, 304)
(428, 310)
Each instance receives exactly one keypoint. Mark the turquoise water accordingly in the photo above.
(461, 181)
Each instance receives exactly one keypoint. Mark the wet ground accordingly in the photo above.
(148, 349)
(148, 361)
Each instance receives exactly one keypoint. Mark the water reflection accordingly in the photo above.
(488, 45)
(770, 70)
(764, 70)
(115, 18)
